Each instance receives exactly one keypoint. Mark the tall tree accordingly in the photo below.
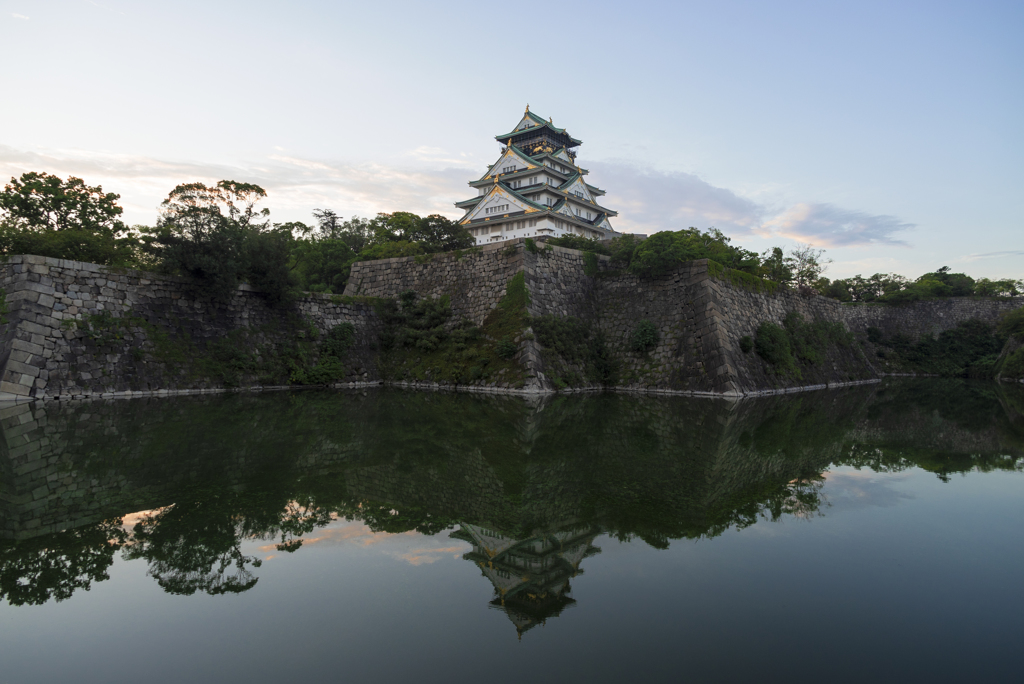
(44, 215)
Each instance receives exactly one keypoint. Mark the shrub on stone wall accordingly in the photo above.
(969, 350)
(420, 343)
(772, 345)
(644, 337)
(574, 353)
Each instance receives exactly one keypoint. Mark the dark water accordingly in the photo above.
(868, 534)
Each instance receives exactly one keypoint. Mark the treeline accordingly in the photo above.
(896, 289)
(219, 237)
(216, 235)
(802, 267)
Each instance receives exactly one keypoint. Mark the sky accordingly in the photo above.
(887, 133)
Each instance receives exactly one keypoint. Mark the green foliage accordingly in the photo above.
(1012, 323)
(775, 267)
(590, 265)
(43, 215)
(811, 341)
(391, 250)
(338, 340)
(578, 242)
(806, 264)
(891, 288)
(530, 245)
(741, 279)
(968, 350)
(53, 567)
(644, 337)
(329, 368)
(661, 253)
(1006, 287)
(433, 233)
(746, 344)
(217, 237)
(798, 342)
(419, 343)
(772, 345)
(1012, 366)
(574, 351)
(506, 348)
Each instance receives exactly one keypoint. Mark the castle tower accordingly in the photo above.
(535, 189)
(530, 576)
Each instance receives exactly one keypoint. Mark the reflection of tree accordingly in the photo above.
(194, 547)
(56, 565)
(633, 467)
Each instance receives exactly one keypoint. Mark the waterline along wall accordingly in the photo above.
(76, 329)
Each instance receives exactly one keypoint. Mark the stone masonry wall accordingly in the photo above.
(44, 351)
(475, 280)
(927, 318)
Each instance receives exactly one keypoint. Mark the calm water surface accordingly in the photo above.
(868, 534)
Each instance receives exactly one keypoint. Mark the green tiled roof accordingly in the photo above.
(540, 123)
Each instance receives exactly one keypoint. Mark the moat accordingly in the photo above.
(855, 534)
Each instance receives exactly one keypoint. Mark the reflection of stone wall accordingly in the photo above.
(668, 466)
(509, 465)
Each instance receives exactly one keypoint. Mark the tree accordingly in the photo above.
(218, 237)
(46, 202)
(1007, 287)
(44, 215)
(775, 266)
(663, 252)
(439, 234)
(434, 233)
(806, 264)
(322, 256)
(54, 566)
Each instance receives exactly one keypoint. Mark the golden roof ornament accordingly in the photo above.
(527, 107)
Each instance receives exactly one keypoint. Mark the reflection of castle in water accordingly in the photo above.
(530, 576)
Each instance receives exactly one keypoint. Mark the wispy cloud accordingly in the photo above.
(995, 255)
(430, 180)
(19, 16)
(341, 532)
(295, 186)
(651, 201)
(826, 225)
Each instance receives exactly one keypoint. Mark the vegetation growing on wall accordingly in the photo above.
(421, 344)
(968, 350)
(798, 344)
(289, 351)
(574, 353)
(741, 279)
(644, 337)
(1010, 364)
